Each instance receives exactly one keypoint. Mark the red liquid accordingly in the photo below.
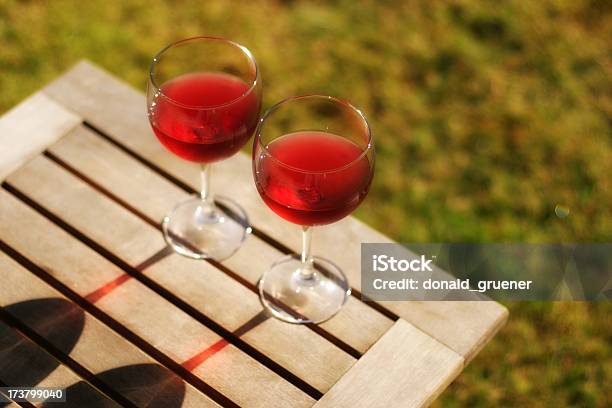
(312, 178)
(212, 119)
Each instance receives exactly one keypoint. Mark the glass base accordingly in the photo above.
(199, 230)
(296, 298)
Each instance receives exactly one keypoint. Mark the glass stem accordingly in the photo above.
(307, 270)
(205, 170)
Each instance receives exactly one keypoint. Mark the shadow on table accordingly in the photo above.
(59, 322)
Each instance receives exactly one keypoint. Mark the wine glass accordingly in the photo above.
(203, 103)
(313, 163)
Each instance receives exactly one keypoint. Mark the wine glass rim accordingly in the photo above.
(342, 102)
(241, 47)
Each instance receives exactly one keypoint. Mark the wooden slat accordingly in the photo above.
(198, 283)
(86, 90)
(296, 348)
(357, 324)
(35, 362)
(149, 316)
(10, 404)
(108, 166)
(98, 348)
(463, 326)
(468, 329)
(405, 368)
(29, 127)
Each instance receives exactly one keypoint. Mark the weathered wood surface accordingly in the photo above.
(23, 363)
(198, 283)
(464, 327)
(357, 324)
(29, 128)
(405, 368)
(97, 348)
(148, 315)
(87, 213)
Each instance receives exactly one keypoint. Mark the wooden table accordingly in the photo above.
(93, 300)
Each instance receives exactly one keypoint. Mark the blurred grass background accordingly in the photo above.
(488, 116)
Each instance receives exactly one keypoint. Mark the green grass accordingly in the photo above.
(487, 115)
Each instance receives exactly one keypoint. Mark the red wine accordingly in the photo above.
(312, 178)
(205, 116)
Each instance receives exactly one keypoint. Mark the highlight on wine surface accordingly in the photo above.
(313, 177)
(223, 119)
(203, 104)
(313, 163)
